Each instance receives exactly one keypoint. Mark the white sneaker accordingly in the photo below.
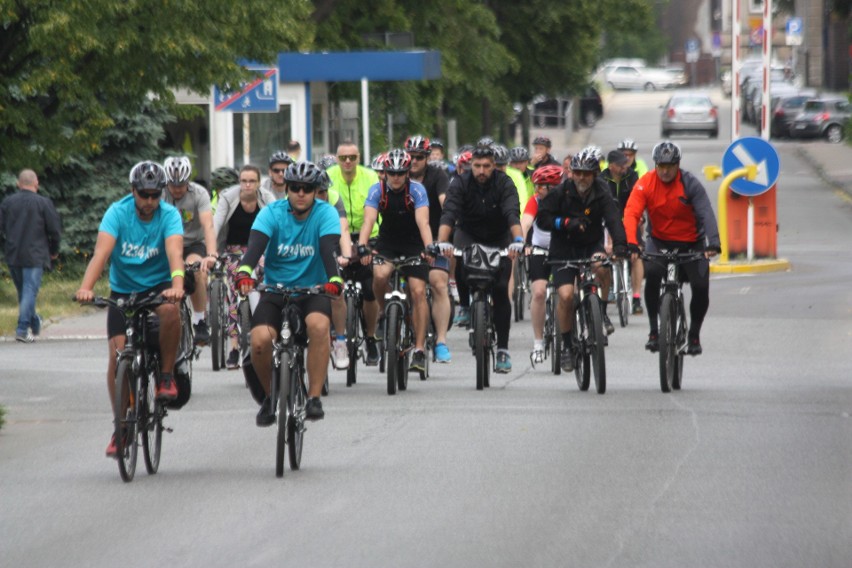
(454, 291)
(537, 356)
(339, 354)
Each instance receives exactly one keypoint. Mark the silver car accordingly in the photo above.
(690, 112)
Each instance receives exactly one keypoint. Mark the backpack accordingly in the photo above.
(383, 200)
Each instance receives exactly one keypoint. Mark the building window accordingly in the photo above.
(317, 131)
(755, 6)
(268, 132)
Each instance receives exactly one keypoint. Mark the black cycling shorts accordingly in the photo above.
(195, 248)
(116, 322)
(268, 310)
(537, 267)
(421, 271)
(564, 276)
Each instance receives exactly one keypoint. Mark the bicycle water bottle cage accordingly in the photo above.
(481, 264)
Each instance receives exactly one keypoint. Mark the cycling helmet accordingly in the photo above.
(417, 143)
(224, 177)
(547, 175)
(485, 141)
(397, 161)
(519, 154)
(280, 157)
(466, 148)
(501, 155)
(178, 170)
(149, 176)
(303, 172)
(327, 161)
(464, 158)
(437, 143)
(325, 181)
(586, 160)
(542, 141)
(627, 144)
(597, 152)
(666, 152)
(378, 163)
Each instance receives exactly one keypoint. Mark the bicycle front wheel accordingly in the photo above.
(353, 339)
(579, 336)
(152, 423)
(282, 411)
(244, 314)
(519, 292)
(622, 294)
(668, 341)
(481, 344)
(393, 327)
(553, 337)
(127, 408)
(677, 377)
(404, 355)
(594, 311)
(298, 398)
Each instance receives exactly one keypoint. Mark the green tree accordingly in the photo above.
(68, 68)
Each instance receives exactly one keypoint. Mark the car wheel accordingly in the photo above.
(664, 133)
(650, 86)
(611, 86)
(714, 134)
(834, 133)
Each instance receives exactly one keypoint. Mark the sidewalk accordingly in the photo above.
(831, 162)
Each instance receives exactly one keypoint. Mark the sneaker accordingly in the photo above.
(372, 352)
(313, 409)
(611, 298)
(418, 362)
(537, 356)
(462, 317)
(653, 343)
(233, 361)
(266, 414)
(454, 290)
(637, 307)
(111, 451)
(504, 363)
(166, 388)
(339, 354)
(694, 347)
(36, 326)
(608, 327)
(442, 353)
(202, 333)
(25, 337)
(566, 359)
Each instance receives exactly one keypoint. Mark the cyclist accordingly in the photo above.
(628, 148)
(437, 153)
(679, 217)
(575, 212)
(541, 155)
(278, 163)
(199, 238)
(484, 204)
(298, 238)
(566, 167)
(544, 178)
(353, 183)
(519, 159)
(404, 231)
(142, 238)
(220, 180)
(621, 178)
(436, 181)
(238, 207)
(501, 161)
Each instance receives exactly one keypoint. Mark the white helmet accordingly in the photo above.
(178, 170)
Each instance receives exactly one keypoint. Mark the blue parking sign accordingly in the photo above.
(259, 95)
(748, 151)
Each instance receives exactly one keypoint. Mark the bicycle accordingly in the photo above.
(188, 351)
(521, 290)
(218, 288)
(552, 336)
(482, 264)
(587, 335)
(622, 289)
(398, 337)
(673, 338)
(137, 412)
(288, 389)
(356, 324)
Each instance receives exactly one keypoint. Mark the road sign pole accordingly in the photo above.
(735, 70)
(750, 230)
(712, 172)
(365, 118)
(246, 139)
(767, 73)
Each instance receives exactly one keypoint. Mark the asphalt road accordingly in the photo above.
(749, 465)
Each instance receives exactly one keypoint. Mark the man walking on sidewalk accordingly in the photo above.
(30, 224)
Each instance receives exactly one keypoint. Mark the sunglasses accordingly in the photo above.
(279, 170)
(418, 157)
(149, 194)
(301, 188)
(395, 174)
(349, 158)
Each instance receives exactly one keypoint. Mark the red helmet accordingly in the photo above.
(397, 161)
(547, 175)
(464, 158)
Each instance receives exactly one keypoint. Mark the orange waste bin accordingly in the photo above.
(765, 224)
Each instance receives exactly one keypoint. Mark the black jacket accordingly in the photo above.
(563, 202)
(620, 190)
(483, 212)
(31, 226)
(436, 181)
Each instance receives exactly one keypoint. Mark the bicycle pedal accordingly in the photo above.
(169, 430)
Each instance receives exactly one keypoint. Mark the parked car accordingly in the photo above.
(727, 83)
(822, 117)
(633, 77)
(784, 109)
(776, 88)
(690, 112)
(591, 106)
(678, 76)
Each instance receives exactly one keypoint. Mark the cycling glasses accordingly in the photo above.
(149, 194)
(418, 157)
(301, 188)
(279, 170)
(348, 158)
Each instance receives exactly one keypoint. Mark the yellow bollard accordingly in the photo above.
(713, 172)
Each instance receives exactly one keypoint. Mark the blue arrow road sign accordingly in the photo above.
(747, 151)
(259, 95)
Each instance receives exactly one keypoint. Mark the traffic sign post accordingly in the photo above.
(794, 31)
(752, 151)
(693, 50)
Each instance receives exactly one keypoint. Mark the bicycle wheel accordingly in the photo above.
(622, 296)
(594, 311)
(152, 423)
(406, 343)
(668, 341)
(393, 328)
(681, 342)
(244, 315)
(480, 343)
(217, 318)
(553, 337)
(282, 411)
(128, 405)
(579, 336)
(353, 339)
(519, 292)
(298, 398)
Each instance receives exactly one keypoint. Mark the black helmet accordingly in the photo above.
(543, 141)
(325, 181)
(148, 175)
(501, 155)
(627, 144)
(280, 157)
(666, 152)
(586, 160)
(485, 141)
(519, 154)
(304, 172)
(437, 143)
(224, 177)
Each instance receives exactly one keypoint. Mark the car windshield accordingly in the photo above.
(691, 101)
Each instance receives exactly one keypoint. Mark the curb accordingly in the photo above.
(753, 267)
(821, 172)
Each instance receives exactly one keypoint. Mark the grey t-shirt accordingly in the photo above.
(195, 201)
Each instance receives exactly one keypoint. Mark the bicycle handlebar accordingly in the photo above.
(133, 303)
(289, 292)
(579, 263)
(675, 256)
(398, 262)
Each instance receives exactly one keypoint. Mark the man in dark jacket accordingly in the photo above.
(32, 230)
(575, 212)
(482, 205)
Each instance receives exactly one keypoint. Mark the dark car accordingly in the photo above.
(822, 118)
(591, 106)
(785, 108)
(554, 112)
